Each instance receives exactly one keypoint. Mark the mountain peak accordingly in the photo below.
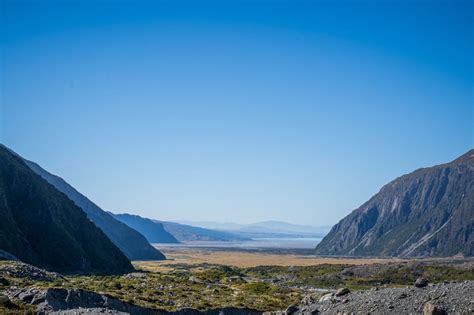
(467, 157)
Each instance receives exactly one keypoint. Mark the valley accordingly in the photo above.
(250, 281)
(243, 258)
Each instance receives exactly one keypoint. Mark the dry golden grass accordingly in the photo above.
(195, 256)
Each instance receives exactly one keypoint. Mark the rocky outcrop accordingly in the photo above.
(443, 298)
(28, 272)
(429, 212)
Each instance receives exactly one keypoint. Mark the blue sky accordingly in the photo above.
(236, 110)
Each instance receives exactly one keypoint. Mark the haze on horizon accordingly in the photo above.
(236, 111)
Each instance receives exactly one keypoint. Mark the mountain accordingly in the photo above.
(429, 212)
(284, 228)
(43, 227)
(213, 225)
(152, 230)
(131, 243)
(263, 229)
(188, 233)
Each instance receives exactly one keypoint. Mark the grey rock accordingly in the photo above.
(431, 309)
(325, 298)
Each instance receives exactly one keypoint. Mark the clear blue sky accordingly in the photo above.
(236, 110)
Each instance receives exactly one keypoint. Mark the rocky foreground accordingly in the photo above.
(443, 298)
(25, 289)
(77, 301)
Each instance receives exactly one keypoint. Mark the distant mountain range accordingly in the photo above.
(152, 230)
(429, 212)
(264, 229)
(42, 226)
(157, 231)
(46, 222)
(188, 233)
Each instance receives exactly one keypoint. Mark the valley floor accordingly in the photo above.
(250, 281)
(250, 258)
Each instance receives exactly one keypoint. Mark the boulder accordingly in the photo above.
(431, 309)
(326, 297)
(342, 291)
(291, 309)
(421, 283)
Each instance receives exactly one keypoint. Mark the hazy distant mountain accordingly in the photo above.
(429, 212)
(42, 226)
(213, 225)
(264, 229)
(131, 243)
(284, 227)
(152, 230)
(187, 233)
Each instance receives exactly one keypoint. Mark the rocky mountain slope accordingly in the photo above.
(41, 226)
(152, 230)
(131, 243)
(429, 212)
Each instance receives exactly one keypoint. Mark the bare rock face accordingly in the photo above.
(426, 213)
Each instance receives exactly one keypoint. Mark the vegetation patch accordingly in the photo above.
(266, 288)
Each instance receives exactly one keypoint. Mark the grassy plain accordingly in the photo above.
(246, 258)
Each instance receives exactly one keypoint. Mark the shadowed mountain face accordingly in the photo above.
(41, 226)
(152, 230)
(131, 243)
(429, 212)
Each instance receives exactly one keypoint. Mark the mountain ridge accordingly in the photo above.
(189, 233)
(42, 226)
(269, 227)
(130, 242)
(153, 231)
(428, 212)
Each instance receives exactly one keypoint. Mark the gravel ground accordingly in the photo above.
(450, 298)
